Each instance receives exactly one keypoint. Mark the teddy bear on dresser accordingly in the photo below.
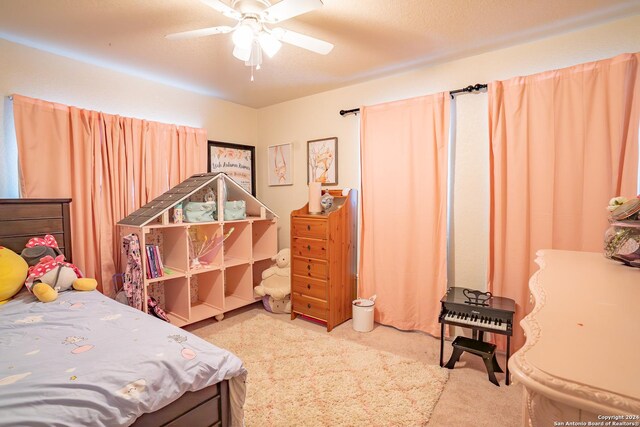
(49, 273)
(276, 284)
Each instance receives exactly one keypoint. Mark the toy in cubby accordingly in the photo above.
(204, 248)
(275, 287)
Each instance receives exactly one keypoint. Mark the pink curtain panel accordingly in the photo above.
(404, 210)
(562, 143)
(109, 165)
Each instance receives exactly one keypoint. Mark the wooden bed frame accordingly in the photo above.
(22, 219)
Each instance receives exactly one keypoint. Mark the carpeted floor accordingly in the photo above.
(299, 377)
(468, 397)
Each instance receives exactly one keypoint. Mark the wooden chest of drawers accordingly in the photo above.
(323, 258)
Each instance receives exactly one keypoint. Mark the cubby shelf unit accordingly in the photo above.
(225, 279)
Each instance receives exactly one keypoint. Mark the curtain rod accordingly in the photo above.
(470, 88)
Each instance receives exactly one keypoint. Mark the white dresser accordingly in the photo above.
(581, 358)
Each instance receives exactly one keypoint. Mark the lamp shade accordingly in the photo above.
(315, 194)
(269, 44)
(242, 53)
(243, 36)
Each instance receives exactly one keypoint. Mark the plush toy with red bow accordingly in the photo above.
(53, 274)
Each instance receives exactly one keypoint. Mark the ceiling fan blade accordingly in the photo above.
(223, 8)
(199, 33)
(286, 9)
(306, 42)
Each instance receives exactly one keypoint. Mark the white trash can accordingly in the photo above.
(363, 314)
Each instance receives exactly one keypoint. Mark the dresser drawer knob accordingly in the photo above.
(308, 247)
(308, 228)
(308, 267)
(308, 305)
(308, 286)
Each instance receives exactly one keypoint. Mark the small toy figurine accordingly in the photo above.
(326, 202)
(210, 196)
(177, 214)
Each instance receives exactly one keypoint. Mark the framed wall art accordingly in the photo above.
(322, 161)
(279, 165)
(237, 161)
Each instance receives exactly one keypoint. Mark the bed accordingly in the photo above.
(86, 359)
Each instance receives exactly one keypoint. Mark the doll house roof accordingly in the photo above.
(221, 184)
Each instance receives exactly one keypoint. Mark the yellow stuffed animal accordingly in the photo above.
(13, 271)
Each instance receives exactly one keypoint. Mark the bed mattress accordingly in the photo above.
(86, 359)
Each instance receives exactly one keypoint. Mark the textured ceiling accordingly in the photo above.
(371, 37)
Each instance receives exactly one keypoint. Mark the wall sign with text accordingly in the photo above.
(237, 161)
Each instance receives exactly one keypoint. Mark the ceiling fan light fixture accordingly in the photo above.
(269, 44)
(241, 53)
(243, 36)
(251, 36)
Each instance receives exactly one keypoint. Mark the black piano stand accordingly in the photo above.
(479, 348)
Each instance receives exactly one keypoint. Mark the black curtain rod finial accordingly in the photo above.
(469, 89)
(353, 111)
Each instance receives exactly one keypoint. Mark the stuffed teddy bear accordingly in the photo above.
(13, 271)
(52, 275)
(276, 279)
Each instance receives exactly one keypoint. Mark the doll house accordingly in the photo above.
(193, 284)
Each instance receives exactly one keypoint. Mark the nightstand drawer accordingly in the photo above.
(309, 227)
(308, 267)
(310, 287)
(309, 306)
(309, 248)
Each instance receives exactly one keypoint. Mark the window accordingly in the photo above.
(9, 177)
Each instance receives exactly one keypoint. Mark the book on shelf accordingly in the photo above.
(150, 264)
(156, 259)
(159, 260)
(154, 262)
(145, 257)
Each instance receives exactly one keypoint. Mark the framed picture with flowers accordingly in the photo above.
(322, 161)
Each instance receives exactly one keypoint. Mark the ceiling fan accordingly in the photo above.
(251, 35)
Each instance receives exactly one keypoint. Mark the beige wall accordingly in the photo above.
(317, 117)
(38, 74)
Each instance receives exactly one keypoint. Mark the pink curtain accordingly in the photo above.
(562, 144)
(404, 204)
(109, 165)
